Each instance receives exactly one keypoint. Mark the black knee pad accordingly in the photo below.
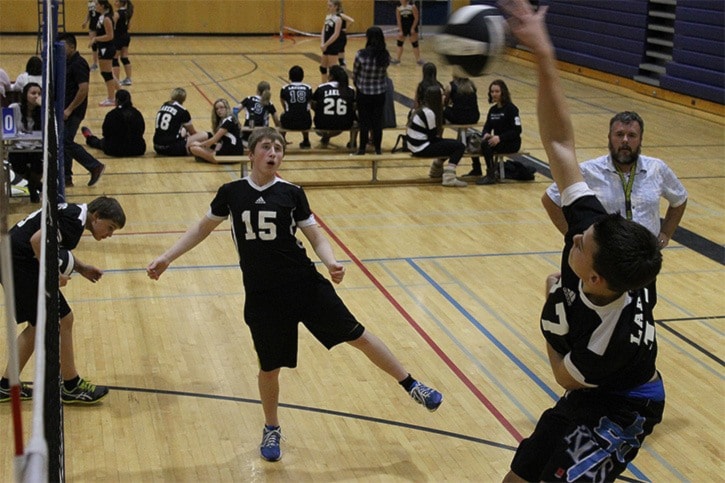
(323, 70)
(107, 76)
(114, 62)
(125, 61)
(399, 43)
(414, 44)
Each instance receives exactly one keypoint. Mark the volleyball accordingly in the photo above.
(472, 40)
(65, 262)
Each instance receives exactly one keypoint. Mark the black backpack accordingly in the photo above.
(518, 170)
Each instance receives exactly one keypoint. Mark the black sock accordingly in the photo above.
(71, 384)
(5, 383)
(407, 383)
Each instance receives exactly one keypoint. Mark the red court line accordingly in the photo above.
(202, 93)
(451, 365)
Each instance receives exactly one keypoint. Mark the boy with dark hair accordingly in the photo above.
(597, 319)
(102, 217)
(296, 98)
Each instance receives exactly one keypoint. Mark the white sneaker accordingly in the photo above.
(107, 103)
(126, 82)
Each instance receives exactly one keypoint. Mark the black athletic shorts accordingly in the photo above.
(406, 26)
(588, 435)
(273, 317)
(106, 50)
(25, 277)
(122, 41)
(296, 123)
(177, 148)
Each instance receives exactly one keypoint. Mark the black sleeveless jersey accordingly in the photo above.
(121, 27)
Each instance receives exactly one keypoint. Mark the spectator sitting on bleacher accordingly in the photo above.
(424, 138)
(430, 78)
(227, 137)
(258, 108)
(334, 105)
(296, 98)
(461, 102)
(123, 129)
(501, 132)
(26, 114)
(4, 85)
(33, 73)
(461, 107)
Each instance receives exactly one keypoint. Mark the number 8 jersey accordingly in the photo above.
(169, 121)
(264, 222)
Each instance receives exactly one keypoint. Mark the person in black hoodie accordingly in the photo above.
(123, 130)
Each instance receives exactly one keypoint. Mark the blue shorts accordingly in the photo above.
(589, 435)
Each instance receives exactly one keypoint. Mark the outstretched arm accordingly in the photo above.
(555, 126)
(193, 236)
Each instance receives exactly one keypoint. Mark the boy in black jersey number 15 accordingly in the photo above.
(281, 283)
(597, 319)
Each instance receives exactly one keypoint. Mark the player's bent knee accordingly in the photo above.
(414, 44)
(323, 70)
(125, 61)
(107, 76)
(399, 42)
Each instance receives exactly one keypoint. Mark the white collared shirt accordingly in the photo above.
(653, 180)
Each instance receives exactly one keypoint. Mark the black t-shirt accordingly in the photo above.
(71, 223)
(123, 130)
(334, 108)
(169, 120)
(77, 72)
(504, 122)
(296, 98)
(264, 222)
(612, 347)
(256, 111)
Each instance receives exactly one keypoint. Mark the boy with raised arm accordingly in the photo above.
(597, 319)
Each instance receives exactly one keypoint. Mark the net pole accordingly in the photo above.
(6, 266)
(281, 21)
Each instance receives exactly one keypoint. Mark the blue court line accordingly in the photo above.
(483, 330)
(461, 346)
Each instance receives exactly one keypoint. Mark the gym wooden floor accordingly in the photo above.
(451, 279)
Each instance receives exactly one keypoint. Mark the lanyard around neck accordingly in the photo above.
(627, 186)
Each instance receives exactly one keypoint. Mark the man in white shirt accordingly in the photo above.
(628, 183)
